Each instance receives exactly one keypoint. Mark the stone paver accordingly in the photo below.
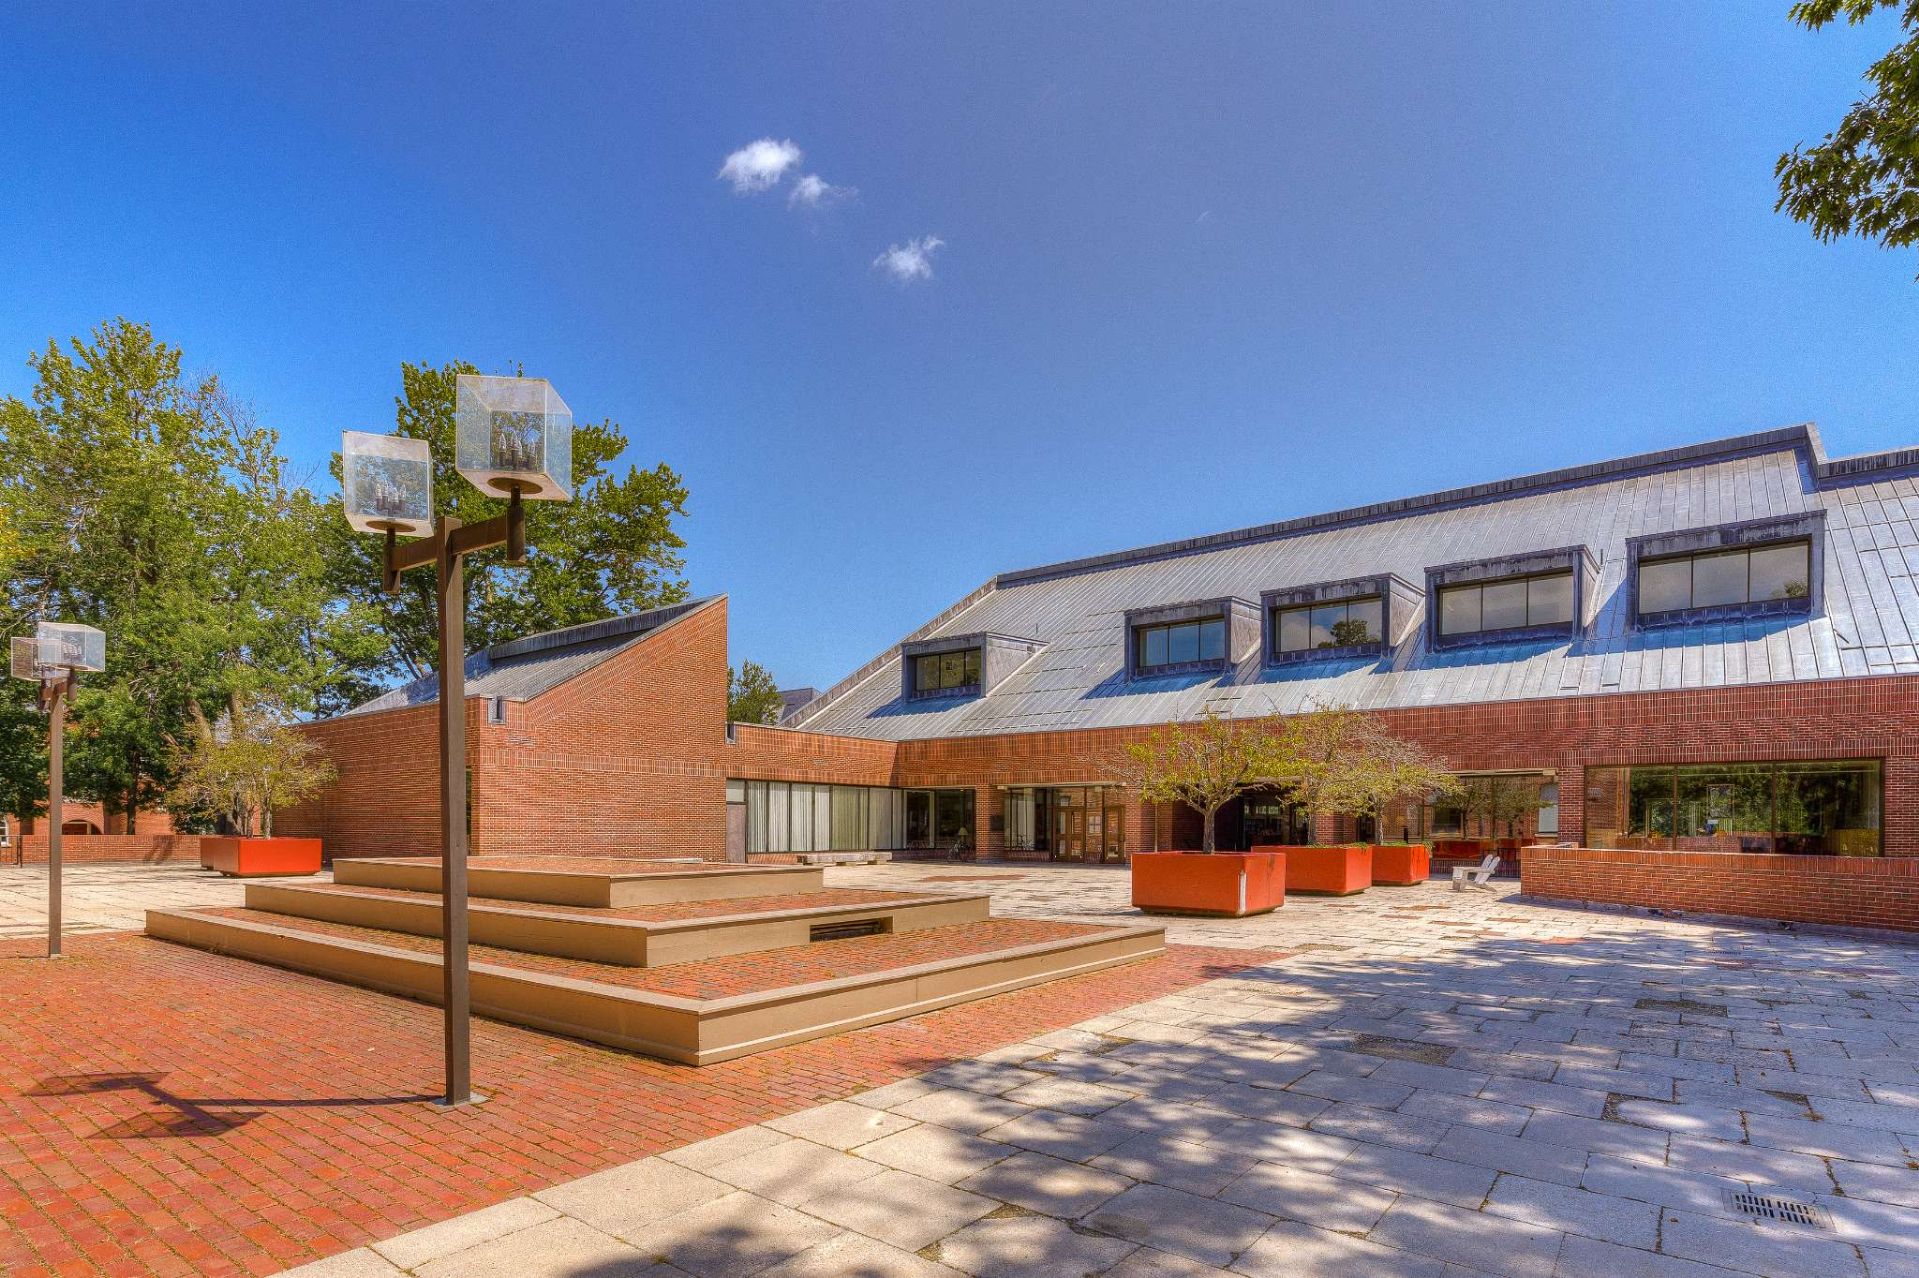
(108, 898)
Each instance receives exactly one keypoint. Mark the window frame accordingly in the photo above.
(972, 664)
(1139, 631)
(1747, 606)
(1276, 612)
(1570, 574)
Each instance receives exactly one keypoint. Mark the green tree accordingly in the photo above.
(153, 506)
(246, 765)
(1338, 761)
(614, 548)
(1863, 179)
(751, 695)
(1204, 763)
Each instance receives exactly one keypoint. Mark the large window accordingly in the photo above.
(1179, 643)
(1515, 603)
(946, 672)
(1347, 624)
(1725, 578)
(1823, 808)
(795, 817)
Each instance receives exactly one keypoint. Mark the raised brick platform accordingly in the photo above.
(637, 936)
(593, 882)
(684, 976)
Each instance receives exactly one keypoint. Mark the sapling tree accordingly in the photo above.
(1204, 763)
(246, 765)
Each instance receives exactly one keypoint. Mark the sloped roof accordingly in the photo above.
(1869, 622)
(522, 669)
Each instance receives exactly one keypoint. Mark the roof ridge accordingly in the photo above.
(1804, 435)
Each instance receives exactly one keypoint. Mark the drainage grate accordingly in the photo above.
(1402, 1049)
(846, 931)
(1681, 1005)
(1785, 1210)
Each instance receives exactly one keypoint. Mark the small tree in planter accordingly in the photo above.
(1205, 764)
(248, 764)
(1396, 770)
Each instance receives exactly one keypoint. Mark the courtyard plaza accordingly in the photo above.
(1411, 1081)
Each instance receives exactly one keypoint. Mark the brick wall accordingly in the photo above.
(1850, 718)
(1852, 891)
(628, 758)
(632, 756)
(95, 849)
(385, 800)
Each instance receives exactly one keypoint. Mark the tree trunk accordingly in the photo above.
(133, 795)
(1207, 838)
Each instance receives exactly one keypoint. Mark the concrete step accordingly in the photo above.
(696, 1013)
(636, 936)
(594, 882)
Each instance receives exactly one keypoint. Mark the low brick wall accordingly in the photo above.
(1844, 891)
(91, 849)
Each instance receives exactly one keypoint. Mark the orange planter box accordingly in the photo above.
(1335, 871)
(1223, 885)
(1460, 849)
(251, 858)
(1400, 864)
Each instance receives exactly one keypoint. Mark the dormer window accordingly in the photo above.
(957, 666)
(1515, 603)
(1543, 595)
(1179, 644)
(946, 673)
(1190, 638)
(1757, 568)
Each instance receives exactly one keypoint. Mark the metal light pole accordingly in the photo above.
(54, 658)
(513, 436)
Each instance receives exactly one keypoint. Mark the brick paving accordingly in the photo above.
(169, 1111)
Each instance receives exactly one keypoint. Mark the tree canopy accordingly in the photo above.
(157, 506)
(614, 548)
(1863, 179)
(751, 695)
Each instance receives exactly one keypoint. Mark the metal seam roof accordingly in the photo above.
(1869, 622)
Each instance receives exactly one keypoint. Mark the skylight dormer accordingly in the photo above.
(1539, 595)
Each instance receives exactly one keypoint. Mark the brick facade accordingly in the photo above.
(632, 756)
(100, 849)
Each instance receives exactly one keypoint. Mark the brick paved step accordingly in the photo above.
(601, 882)
(636, 936)
(695, 1013)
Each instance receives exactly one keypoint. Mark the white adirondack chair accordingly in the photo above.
(1477, 875)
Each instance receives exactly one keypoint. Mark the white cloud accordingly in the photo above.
(814, 192)
(910, 261)
(759, 166)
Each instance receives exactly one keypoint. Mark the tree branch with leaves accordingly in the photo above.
(1204, 763)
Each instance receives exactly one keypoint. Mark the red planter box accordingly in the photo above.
(1334, 871)
(1460, 849)
(251, 858)
(1400, 864)
(1224, 885)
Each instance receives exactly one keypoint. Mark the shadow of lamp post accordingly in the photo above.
(513, 436)
(54, 657)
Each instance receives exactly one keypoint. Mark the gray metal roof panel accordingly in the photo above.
(524, 668)
(1869, 622)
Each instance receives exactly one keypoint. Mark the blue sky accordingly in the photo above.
(1199, 266)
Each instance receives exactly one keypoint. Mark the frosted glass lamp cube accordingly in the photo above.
(513, 433)
(67, 646)
(32, 660)
(386, 482)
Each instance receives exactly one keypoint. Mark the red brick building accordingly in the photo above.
(1708, 649)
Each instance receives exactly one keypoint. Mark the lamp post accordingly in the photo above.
(53, 657)
(513, 436)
